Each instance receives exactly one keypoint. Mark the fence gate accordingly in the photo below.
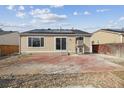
(95, 48)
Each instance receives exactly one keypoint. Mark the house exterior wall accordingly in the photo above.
(49, 44)
(9, 39)
(104, 37)
(87, 44)
(122, 38)
(116, 49)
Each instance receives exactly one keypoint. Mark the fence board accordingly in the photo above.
(115, 49)
(8, 49)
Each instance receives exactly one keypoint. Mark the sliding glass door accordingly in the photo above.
(60, 43)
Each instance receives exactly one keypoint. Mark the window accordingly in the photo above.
(35, 42)
(63, 43)
(42, 42)
(29, 42)
(60, 43)
(79, 38)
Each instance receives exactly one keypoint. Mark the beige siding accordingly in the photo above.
(122, 39)
(103, 37)
(71, 44)
(9, 39)
(49, 44)
(87, 44)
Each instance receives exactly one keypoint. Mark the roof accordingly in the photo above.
(54, 31)
(121, 31)
(2, 32)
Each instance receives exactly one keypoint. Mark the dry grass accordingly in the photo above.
(98, 80)
(120, 74)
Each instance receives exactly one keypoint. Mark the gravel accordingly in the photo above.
(82, 80)
(15, 74)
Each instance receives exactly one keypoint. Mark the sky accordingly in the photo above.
(87, 18)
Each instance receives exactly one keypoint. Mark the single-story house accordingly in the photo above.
(55, 40)
(108, 36)
(9, 42)
(108, 41)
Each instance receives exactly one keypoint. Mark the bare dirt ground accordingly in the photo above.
(43, 70)
(113, 59)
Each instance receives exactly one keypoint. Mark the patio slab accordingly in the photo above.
(62, 64)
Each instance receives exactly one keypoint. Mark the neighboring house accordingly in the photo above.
(107, 36)
(55, 40)
(9, 42)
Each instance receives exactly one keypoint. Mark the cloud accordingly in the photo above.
(46, 16)
(75, 13)
(38, 12)
(18, 10)
(20, 14)
(112, 23)
(21, 8)
(56, 6)
(31, 7)
(121, 18)
(102, 10)
(118, 23)
(11, 7)
(86, 13)
(33, 21)
(37, 21)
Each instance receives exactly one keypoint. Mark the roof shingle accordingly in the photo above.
(2, 32)
(114, 30)
(55, 31)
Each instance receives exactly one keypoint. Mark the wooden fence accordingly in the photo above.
(8, 49)
(114, 49)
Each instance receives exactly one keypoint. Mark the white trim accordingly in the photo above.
(83, 44)
(90, 45)
(78, 50)
(19, 44)
(26, 51)
(35, 37)
(121, 38)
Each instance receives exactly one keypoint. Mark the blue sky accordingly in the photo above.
(88, 18)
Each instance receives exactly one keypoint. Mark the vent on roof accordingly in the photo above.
(1, 30)
(49, 28)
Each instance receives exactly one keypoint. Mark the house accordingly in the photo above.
(108, 41)
(108, 36)
(9, 42)
(55, 40)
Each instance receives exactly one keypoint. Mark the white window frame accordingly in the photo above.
(32, 42)
(55, 44)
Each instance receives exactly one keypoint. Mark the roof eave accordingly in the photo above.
(28, 34)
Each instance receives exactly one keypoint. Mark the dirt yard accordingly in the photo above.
(46, 70)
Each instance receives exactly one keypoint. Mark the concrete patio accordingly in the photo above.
(62, 64)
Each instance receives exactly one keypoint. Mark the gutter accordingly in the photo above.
(55, 35)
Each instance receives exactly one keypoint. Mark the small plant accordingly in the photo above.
(68, 53)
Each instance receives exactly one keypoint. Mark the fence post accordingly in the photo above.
(0, 53)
